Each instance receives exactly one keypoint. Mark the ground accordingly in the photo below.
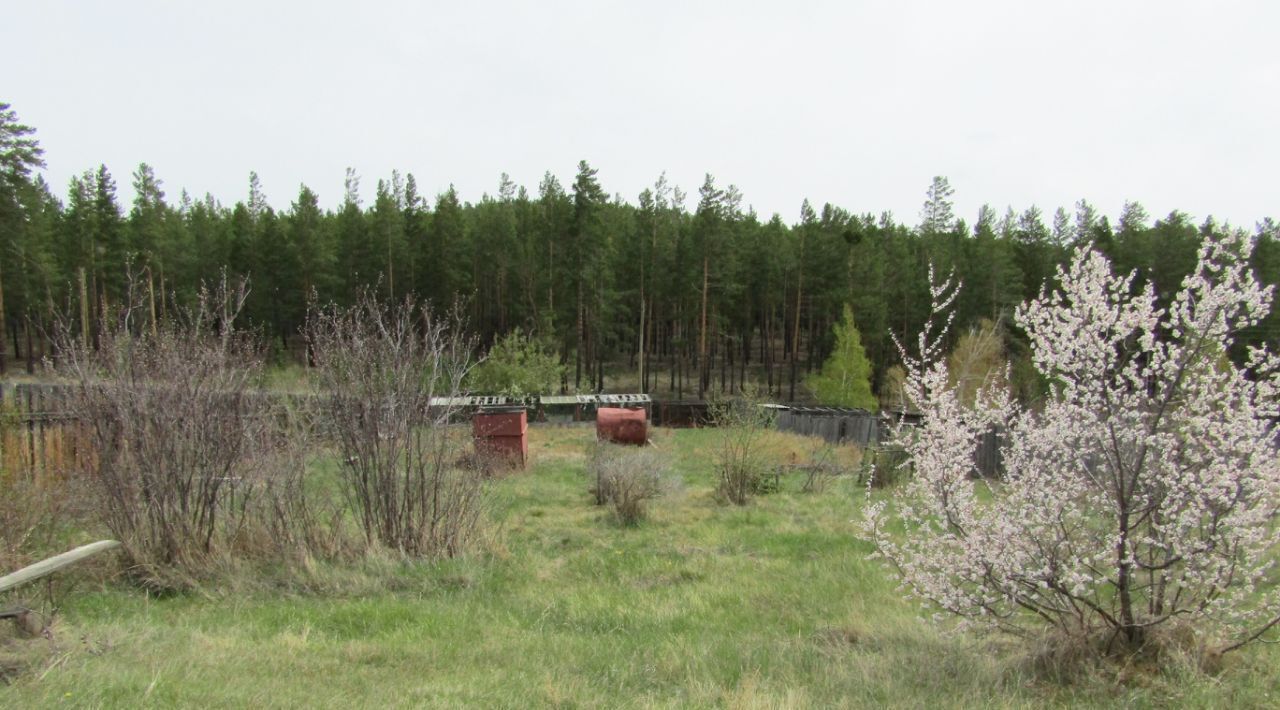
(775, 604)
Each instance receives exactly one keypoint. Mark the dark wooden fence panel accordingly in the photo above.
(836, 426)
(988, 459)
(860, 428)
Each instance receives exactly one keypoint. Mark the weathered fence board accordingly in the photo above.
(37, 437)
(47, 567)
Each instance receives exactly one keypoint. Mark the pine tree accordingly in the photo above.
(314, 257)
(1133, 217)
(1086, 222)
(446, 258)
(110, 241)
(257, 199)
(19, 153)
(936, 216)
(707, 228)
(994, 276)
(148, 232)
(31, 276)
(386, 224)
(1034, 251)
(1063, 234)
(355, 251)
(275, 289)
(585, 239)
(845, 378)
(209, 232)
(416, 221)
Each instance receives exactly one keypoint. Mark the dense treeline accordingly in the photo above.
(690, 293)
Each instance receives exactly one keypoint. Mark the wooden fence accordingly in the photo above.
(859, 427)
(835, 425)
(37, 438)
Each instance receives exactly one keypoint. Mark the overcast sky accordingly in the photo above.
(1173, 104)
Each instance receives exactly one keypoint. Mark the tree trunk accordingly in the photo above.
(577, 355)
(766, 349)
(151, 302)
(724, 359)
(551, 282)
(31, 353)
(391, 275)
(680, 365)
(795, 338)
(1132, 632)
(163, 293)
(702, 336)
(640, 357)
(2, 324)
(653, 336)
(84, 309)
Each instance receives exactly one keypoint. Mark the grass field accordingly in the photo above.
(704, 605)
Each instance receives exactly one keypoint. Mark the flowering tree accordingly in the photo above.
(1144, 490)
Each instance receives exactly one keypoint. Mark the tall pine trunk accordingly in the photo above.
(640, 357)
(3, 346)
(795, 330)
(31, 352)
(577, 355)
(702, 336)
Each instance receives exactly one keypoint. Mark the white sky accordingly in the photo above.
(1173, 104)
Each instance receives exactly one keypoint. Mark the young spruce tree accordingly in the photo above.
(845, 378)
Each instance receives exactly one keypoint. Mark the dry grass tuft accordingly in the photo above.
(1066, 660)
(626, 478)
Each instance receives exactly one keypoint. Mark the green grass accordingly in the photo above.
(703, 605)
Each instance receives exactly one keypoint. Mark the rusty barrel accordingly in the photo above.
(502, 433)
(622, 426)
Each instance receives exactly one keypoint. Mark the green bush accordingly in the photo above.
(517, 366)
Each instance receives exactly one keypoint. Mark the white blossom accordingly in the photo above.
(1143, 489)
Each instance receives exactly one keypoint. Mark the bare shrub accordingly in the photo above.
(176, 431)
(822, 469)
(23, 514)
(36, 502)
(34, 513)
(300, 513)
(978, 361)
(741, 470)
(379, 368)
(626, 478)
